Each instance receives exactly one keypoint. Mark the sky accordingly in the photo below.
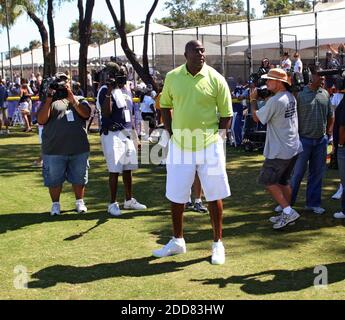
(25, 30)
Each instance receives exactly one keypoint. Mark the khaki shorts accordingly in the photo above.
(276, 171)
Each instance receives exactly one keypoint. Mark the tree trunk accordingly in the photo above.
(142, 71)
(84, 39)
(45, 45)
(51, 37)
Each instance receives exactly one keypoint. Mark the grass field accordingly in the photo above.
(94, 256)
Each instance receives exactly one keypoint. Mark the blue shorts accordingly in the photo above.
(58, 168)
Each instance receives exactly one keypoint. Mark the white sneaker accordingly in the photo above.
(275, 219)
(80, 206)
(316, 210)
(338, 194)
(114, 209)
(55, 210)
(339, 215)
(218, 253)
(286, 219)
(173, 247)
(134, 205)
(278, 209)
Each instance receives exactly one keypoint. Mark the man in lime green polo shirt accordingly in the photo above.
(197, 110)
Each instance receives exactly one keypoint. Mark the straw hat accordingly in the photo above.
(277, 74)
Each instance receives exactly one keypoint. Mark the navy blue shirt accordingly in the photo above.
(339, 121)
(3, 95)
(116, 121)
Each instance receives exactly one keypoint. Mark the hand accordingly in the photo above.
(70, 96)
(50, 93)
(253, 94)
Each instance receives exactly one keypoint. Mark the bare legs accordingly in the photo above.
(113, 182)
(216, 215)
(281, 194)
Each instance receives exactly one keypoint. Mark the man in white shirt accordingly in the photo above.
(286, 62)
(298, 66)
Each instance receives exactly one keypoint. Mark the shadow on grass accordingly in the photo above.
(141, 267)
(12, 222)
(255, 225)
(279, 281)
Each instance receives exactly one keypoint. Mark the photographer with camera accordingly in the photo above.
(116, 130)
(315, 121)
(282, 142)
(65, 147)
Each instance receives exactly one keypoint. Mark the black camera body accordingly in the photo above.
(260, 84)
(54, 83)
(339, 72)
(111, 75)
(300, 80)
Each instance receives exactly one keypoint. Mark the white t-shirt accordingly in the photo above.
(145, 105)
(336, 99)
(286, 64)
(298, 67)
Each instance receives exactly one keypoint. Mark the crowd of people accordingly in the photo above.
(195, 106)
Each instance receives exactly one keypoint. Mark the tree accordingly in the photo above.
(85, 20)
(15, 51)
(142, 70)
(34, 8)
(12, 14)
(279, 7)
(100, 32)
(34, 44)
(182, 14)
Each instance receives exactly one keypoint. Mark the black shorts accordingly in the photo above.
(276, 171)
(150, 117)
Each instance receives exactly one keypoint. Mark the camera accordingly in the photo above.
(260, 83)
(299, 80)
(58, 84)
(111, 75)
(339, 72)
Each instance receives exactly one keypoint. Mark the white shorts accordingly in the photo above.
(119, 152)
(208, 163)
(40, 131)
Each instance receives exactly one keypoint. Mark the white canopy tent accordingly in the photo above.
(36, 55)
(265, 32)
(68, 49)
(135, 41)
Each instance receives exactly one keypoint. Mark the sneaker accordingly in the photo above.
(275, 219)
(173, 247)
(278, 209)
(80, 206)
(316, 210)
(218, 253)
(134, 205)
(114, 209)
(338, 194)
(339, 215)
(37, 164)
(198, 207)
(55, 211)
(189, 206)
(286, 219)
